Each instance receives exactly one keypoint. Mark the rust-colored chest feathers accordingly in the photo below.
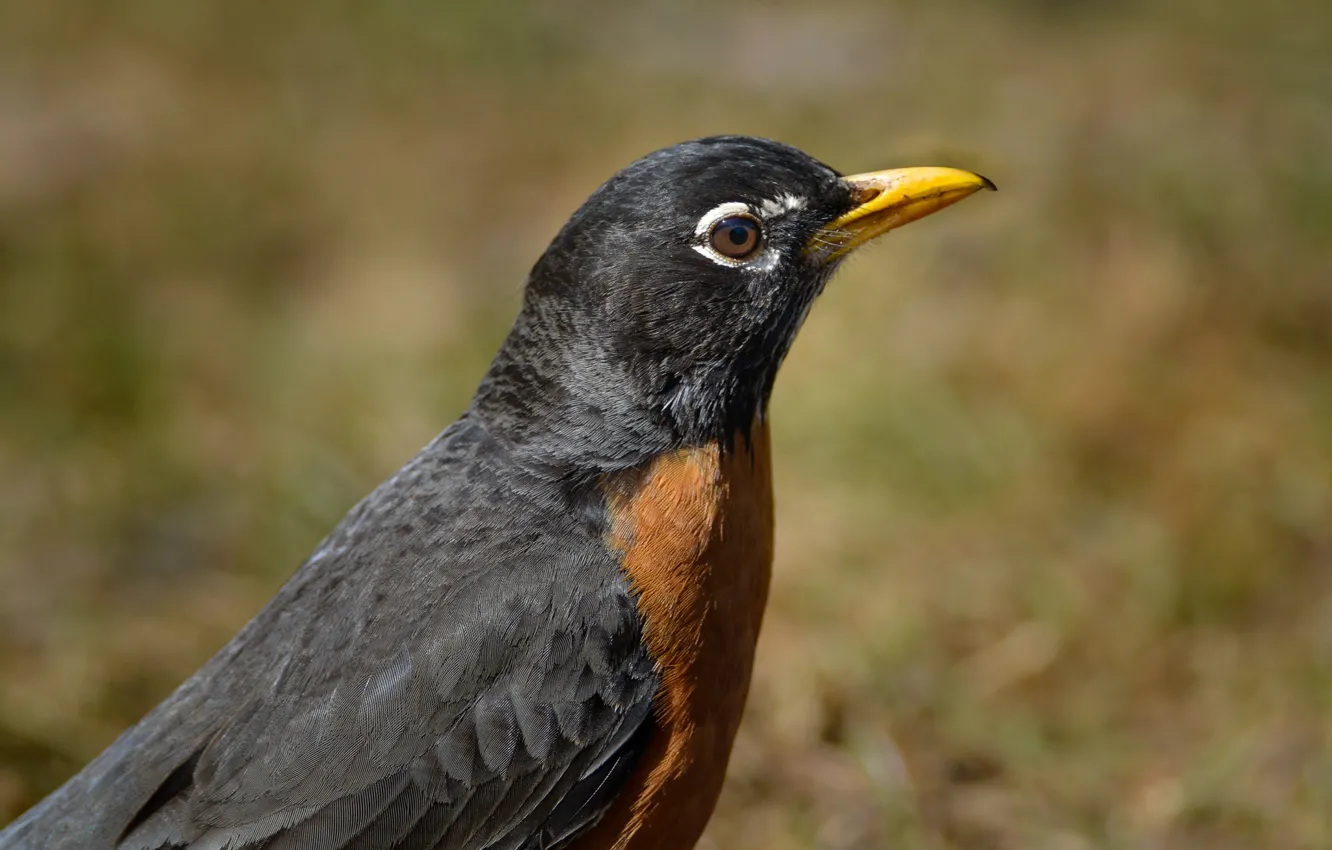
(695, 529)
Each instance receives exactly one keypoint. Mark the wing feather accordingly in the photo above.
(428, 679)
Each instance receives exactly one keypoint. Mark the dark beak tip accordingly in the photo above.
(987, 183)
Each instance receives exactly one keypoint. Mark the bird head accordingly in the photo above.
(664, 307)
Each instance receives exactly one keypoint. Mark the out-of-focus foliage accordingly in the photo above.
(1054, 468)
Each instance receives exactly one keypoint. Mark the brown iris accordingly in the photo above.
(736, 237)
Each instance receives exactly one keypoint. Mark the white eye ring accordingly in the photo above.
(719, 212)
(703, 230)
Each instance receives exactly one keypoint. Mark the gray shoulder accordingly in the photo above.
(461, 654)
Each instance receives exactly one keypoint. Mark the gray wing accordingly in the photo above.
(477, 689)
(400, 758)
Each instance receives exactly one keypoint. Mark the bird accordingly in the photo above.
(538, 634)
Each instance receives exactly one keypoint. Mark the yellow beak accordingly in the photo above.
(889, 199)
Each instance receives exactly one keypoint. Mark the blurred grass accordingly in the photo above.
(1054, 469)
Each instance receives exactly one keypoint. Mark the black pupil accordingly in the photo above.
(736, 237)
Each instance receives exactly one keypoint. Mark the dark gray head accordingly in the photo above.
(660, 313)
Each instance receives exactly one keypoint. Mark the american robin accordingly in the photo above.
(539, 632)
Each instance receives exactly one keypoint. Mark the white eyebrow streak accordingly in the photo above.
(784, 204)
(718, 213)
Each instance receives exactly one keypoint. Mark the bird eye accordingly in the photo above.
(736, 237)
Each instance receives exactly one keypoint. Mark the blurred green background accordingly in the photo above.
(1054, 468)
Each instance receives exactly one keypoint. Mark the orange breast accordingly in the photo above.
(696, 531)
